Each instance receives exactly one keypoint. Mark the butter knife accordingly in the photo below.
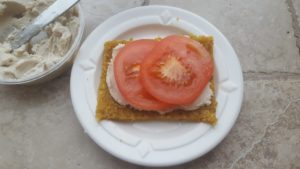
(58, 8)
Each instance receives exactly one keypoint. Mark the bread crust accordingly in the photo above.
(109, 109)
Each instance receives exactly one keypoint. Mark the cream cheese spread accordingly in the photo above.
(203, 99)
(44, 50)
(110, 78)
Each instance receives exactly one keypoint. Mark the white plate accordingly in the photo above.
(155, 143)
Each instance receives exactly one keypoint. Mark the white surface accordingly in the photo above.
(155, 143)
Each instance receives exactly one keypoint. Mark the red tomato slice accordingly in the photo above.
(177, 70)
(127, 72)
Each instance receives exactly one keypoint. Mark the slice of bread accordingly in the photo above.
(109, 109)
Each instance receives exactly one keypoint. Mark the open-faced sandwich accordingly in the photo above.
(158, 79)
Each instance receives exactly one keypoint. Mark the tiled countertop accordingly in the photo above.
(39, 130)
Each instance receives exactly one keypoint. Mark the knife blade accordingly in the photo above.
(58, 8)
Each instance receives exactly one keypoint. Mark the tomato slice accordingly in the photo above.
(127, 72)
(177, 70)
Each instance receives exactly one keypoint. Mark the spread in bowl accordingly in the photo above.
(44, 51)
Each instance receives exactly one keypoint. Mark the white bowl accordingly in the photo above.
(61, 66)
(155, 143)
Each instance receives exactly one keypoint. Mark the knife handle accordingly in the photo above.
(58, 8)
(52, 12)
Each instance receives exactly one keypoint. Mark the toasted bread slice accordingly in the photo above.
(109, 109)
